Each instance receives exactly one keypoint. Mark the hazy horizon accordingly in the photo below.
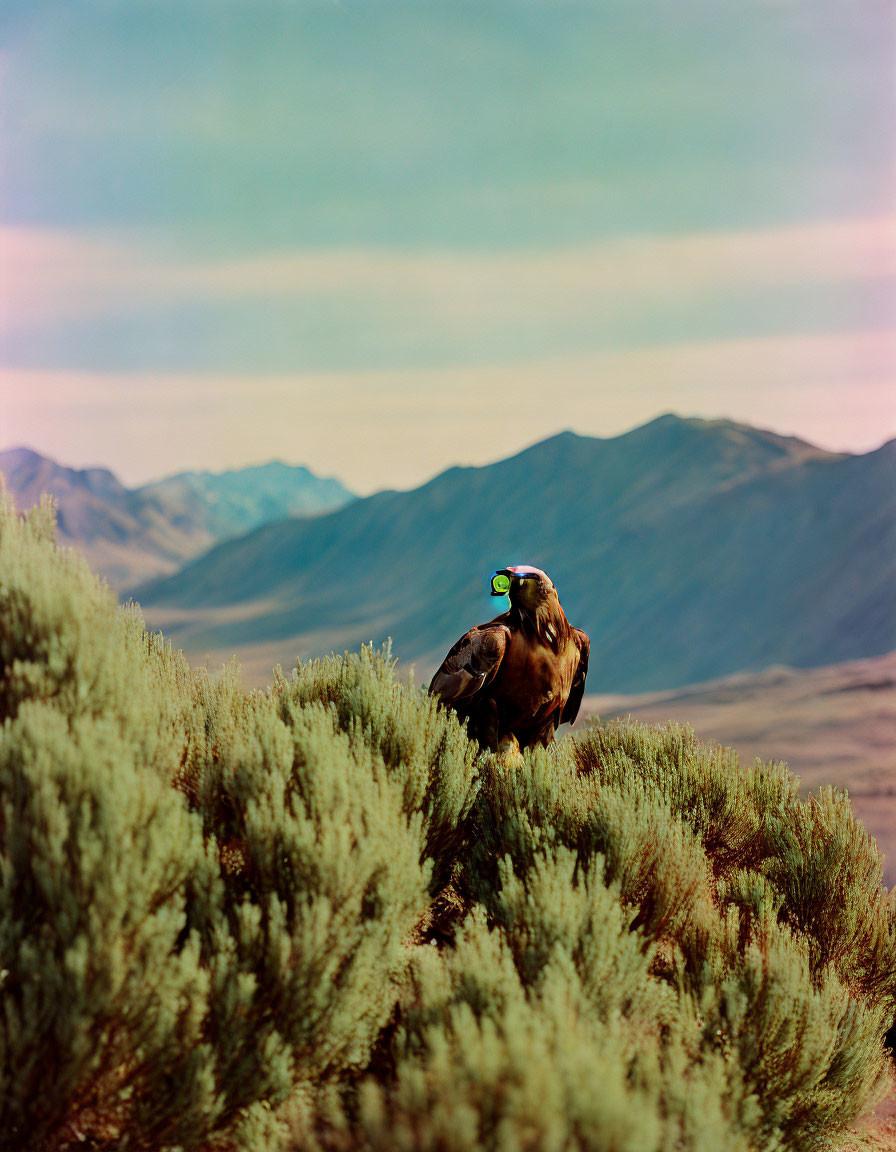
(261, 463)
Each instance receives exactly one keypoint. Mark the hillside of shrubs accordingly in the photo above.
(316, 917)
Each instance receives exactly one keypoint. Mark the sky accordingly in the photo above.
(381, 238)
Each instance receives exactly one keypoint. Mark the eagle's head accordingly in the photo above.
(526, 586)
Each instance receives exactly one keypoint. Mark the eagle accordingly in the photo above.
(517, 678)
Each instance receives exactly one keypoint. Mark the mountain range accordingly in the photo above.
(687, 549)
(133, 534)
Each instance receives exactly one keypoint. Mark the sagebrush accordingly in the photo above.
(318, 917)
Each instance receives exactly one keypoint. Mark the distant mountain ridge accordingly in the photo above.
(132, 534)
(238, 500)
(688, 549)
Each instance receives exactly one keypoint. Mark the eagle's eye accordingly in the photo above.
(500, 584)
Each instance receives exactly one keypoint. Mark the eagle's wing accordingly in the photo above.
(472, 663)
(577, 691)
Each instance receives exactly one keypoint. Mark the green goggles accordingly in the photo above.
(500, 584)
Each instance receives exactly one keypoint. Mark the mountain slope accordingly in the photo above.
(135, 534)
(122, 536)
(687, 549)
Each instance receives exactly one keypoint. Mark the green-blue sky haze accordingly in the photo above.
(280, 228)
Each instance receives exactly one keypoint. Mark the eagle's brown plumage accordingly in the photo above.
(521, 675)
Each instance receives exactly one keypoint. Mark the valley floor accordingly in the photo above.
(832, 725)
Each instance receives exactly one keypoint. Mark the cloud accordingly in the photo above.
(395, 429)
(445, 295)
(81, 272)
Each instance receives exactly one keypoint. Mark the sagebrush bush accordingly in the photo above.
(425, 749)
(317, 917)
